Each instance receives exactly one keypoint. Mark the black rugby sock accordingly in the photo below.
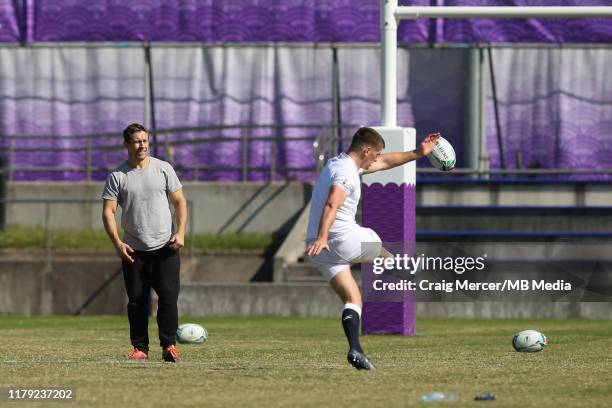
(350, 322)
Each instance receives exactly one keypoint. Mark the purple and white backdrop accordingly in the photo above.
(278, 20)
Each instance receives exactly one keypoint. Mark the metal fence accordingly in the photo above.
(326, 142)
(101, 152)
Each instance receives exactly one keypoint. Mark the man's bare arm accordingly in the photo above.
(335, 199)
(180, 212)
(109, 208)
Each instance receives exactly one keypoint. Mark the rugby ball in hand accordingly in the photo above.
(191, 333)
(442, 156)
(529, 341)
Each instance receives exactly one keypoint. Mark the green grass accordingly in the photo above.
(254, 241)
(301, 362)
(16, 237)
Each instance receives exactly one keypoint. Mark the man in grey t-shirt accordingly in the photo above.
(143, 187)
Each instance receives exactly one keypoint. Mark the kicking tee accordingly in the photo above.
(142, 195)
(343, 172)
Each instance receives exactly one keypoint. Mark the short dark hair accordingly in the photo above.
(366, 136)
(131, 129)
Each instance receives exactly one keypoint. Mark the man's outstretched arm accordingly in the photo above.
(390, 160)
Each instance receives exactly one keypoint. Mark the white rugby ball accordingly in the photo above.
(529, 341)
(442, 156)
(191, 333)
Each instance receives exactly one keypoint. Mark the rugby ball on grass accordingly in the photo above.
(191, 333)
(442, 156)
(529, 341)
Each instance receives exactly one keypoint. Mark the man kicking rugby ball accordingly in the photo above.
(334, 237)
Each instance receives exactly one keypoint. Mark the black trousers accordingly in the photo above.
(159, 270)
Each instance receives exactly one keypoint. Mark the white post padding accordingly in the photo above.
(397, 139)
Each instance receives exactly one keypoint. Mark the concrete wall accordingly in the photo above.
(259, 299)
(31, 285)
(312, 299)
(37, 288)
(217, 207)
(517, 310)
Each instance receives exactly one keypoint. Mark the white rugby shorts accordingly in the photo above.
(360, 245)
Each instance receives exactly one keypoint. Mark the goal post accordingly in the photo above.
(389, 199)
(391, 14)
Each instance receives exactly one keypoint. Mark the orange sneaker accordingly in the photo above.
(170, 354)
(138, 354)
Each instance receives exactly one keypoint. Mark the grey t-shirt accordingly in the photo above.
(142, 195)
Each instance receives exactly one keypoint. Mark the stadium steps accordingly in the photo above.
(302, 272)
(512, 192)
(516, 223)
(528, 219)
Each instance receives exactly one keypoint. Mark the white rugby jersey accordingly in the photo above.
(343, 172)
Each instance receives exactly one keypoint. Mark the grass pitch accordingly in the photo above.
(302, 362)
